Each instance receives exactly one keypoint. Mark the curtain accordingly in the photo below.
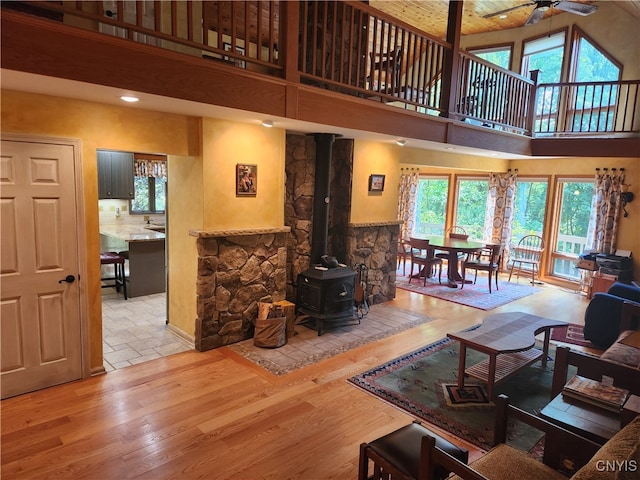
(498, 220)
(150, 168)
(407, 202)
(605, 212)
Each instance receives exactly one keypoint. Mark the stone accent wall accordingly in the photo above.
(376, 245)
(300, 167)
(236, 270)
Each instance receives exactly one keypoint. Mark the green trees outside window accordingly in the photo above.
(471, 206)
(431, 205)
(150, 195)
(529, 209)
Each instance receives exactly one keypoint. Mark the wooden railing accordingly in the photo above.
(587, 107)
(353, 49)
(491, 96)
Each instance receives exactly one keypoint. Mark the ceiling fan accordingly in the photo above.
(541, 6)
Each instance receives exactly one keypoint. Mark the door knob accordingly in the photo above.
(68, 279)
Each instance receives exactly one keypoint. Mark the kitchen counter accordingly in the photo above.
(146, 247)
(132, 233)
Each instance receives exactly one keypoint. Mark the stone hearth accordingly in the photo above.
(236, 270)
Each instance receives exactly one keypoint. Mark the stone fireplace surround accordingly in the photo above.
(239, 268)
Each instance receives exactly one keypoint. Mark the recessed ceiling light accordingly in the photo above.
(401, 142)
(267, 123)
(502, 17)
(129, 98)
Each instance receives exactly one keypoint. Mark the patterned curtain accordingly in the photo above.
(407, 202)
(498, 220)
(605, 212)
(150, 168)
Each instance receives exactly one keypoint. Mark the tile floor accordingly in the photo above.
(135, 330)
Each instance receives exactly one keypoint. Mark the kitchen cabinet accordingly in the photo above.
(115, 175)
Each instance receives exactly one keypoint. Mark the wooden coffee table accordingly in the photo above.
(508, 338)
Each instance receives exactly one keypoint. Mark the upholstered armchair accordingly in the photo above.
(604, 312)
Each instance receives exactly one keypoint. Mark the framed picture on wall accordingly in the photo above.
(246, 179)
(376, 183)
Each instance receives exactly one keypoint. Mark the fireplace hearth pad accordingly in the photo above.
(326, 296)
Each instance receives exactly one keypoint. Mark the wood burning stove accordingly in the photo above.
(327, 295)
(324, 294)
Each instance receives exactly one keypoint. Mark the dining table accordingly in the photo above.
(454, 246)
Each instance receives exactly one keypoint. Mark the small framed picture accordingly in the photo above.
(247, 180)
(376, 183)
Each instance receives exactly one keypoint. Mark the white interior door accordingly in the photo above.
(40, 298)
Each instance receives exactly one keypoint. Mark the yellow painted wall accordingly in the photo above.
(226, 144)
(186, 212)
(97, 126)
(375, 158)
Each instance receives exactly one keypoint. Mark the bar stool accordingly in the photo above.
(112, 258)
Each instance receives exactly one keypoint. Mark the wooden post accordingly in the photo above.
(532, 103)
(452, 58)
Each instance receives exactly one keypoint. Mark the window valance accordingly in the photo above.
(150, 168)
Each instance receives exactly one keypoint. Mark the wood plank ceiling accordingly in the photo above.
(431, 16)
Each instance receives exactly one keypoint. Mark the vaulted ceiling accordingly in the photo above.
(431, 15)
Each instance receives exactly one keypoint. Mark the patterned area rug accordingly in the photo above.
(306, 347)
(419, 382)
(476, 296)
(572, 334)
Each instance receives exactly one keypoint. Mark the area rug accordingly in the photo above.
(418, 383)
(476, 296)
(306, 347)
(572, 333)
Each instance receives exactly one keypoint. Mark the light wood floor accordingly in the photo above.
(216, 415)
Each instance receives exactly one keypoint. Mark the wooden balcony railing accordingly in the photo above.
(587, 108)
(491, 96)
(353, 49)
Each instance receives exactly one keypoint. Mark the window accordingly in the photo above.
(573, 208)
(546, 55)
(499, 55)
(431, 211)
(150, 185)
(593, 106)
(529, 208)
(471, 205)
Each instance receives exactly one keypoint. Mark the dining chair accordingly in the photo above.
(526, 256)
(425, 261)
(489, 263)
(404, 252)
(453, 232)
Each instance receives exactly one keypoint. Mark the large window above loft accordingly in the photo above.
(498, 55)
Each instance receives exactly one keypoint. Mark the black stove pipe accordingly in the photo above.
(321, 194)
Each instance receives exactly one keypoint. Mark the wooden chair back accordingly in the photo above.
(529, 248)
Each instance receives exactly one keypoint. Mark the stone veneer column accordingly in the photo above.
(376, 245)
(236, 270)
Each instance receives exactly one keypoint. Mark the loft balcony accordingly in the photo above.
(341, 64)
